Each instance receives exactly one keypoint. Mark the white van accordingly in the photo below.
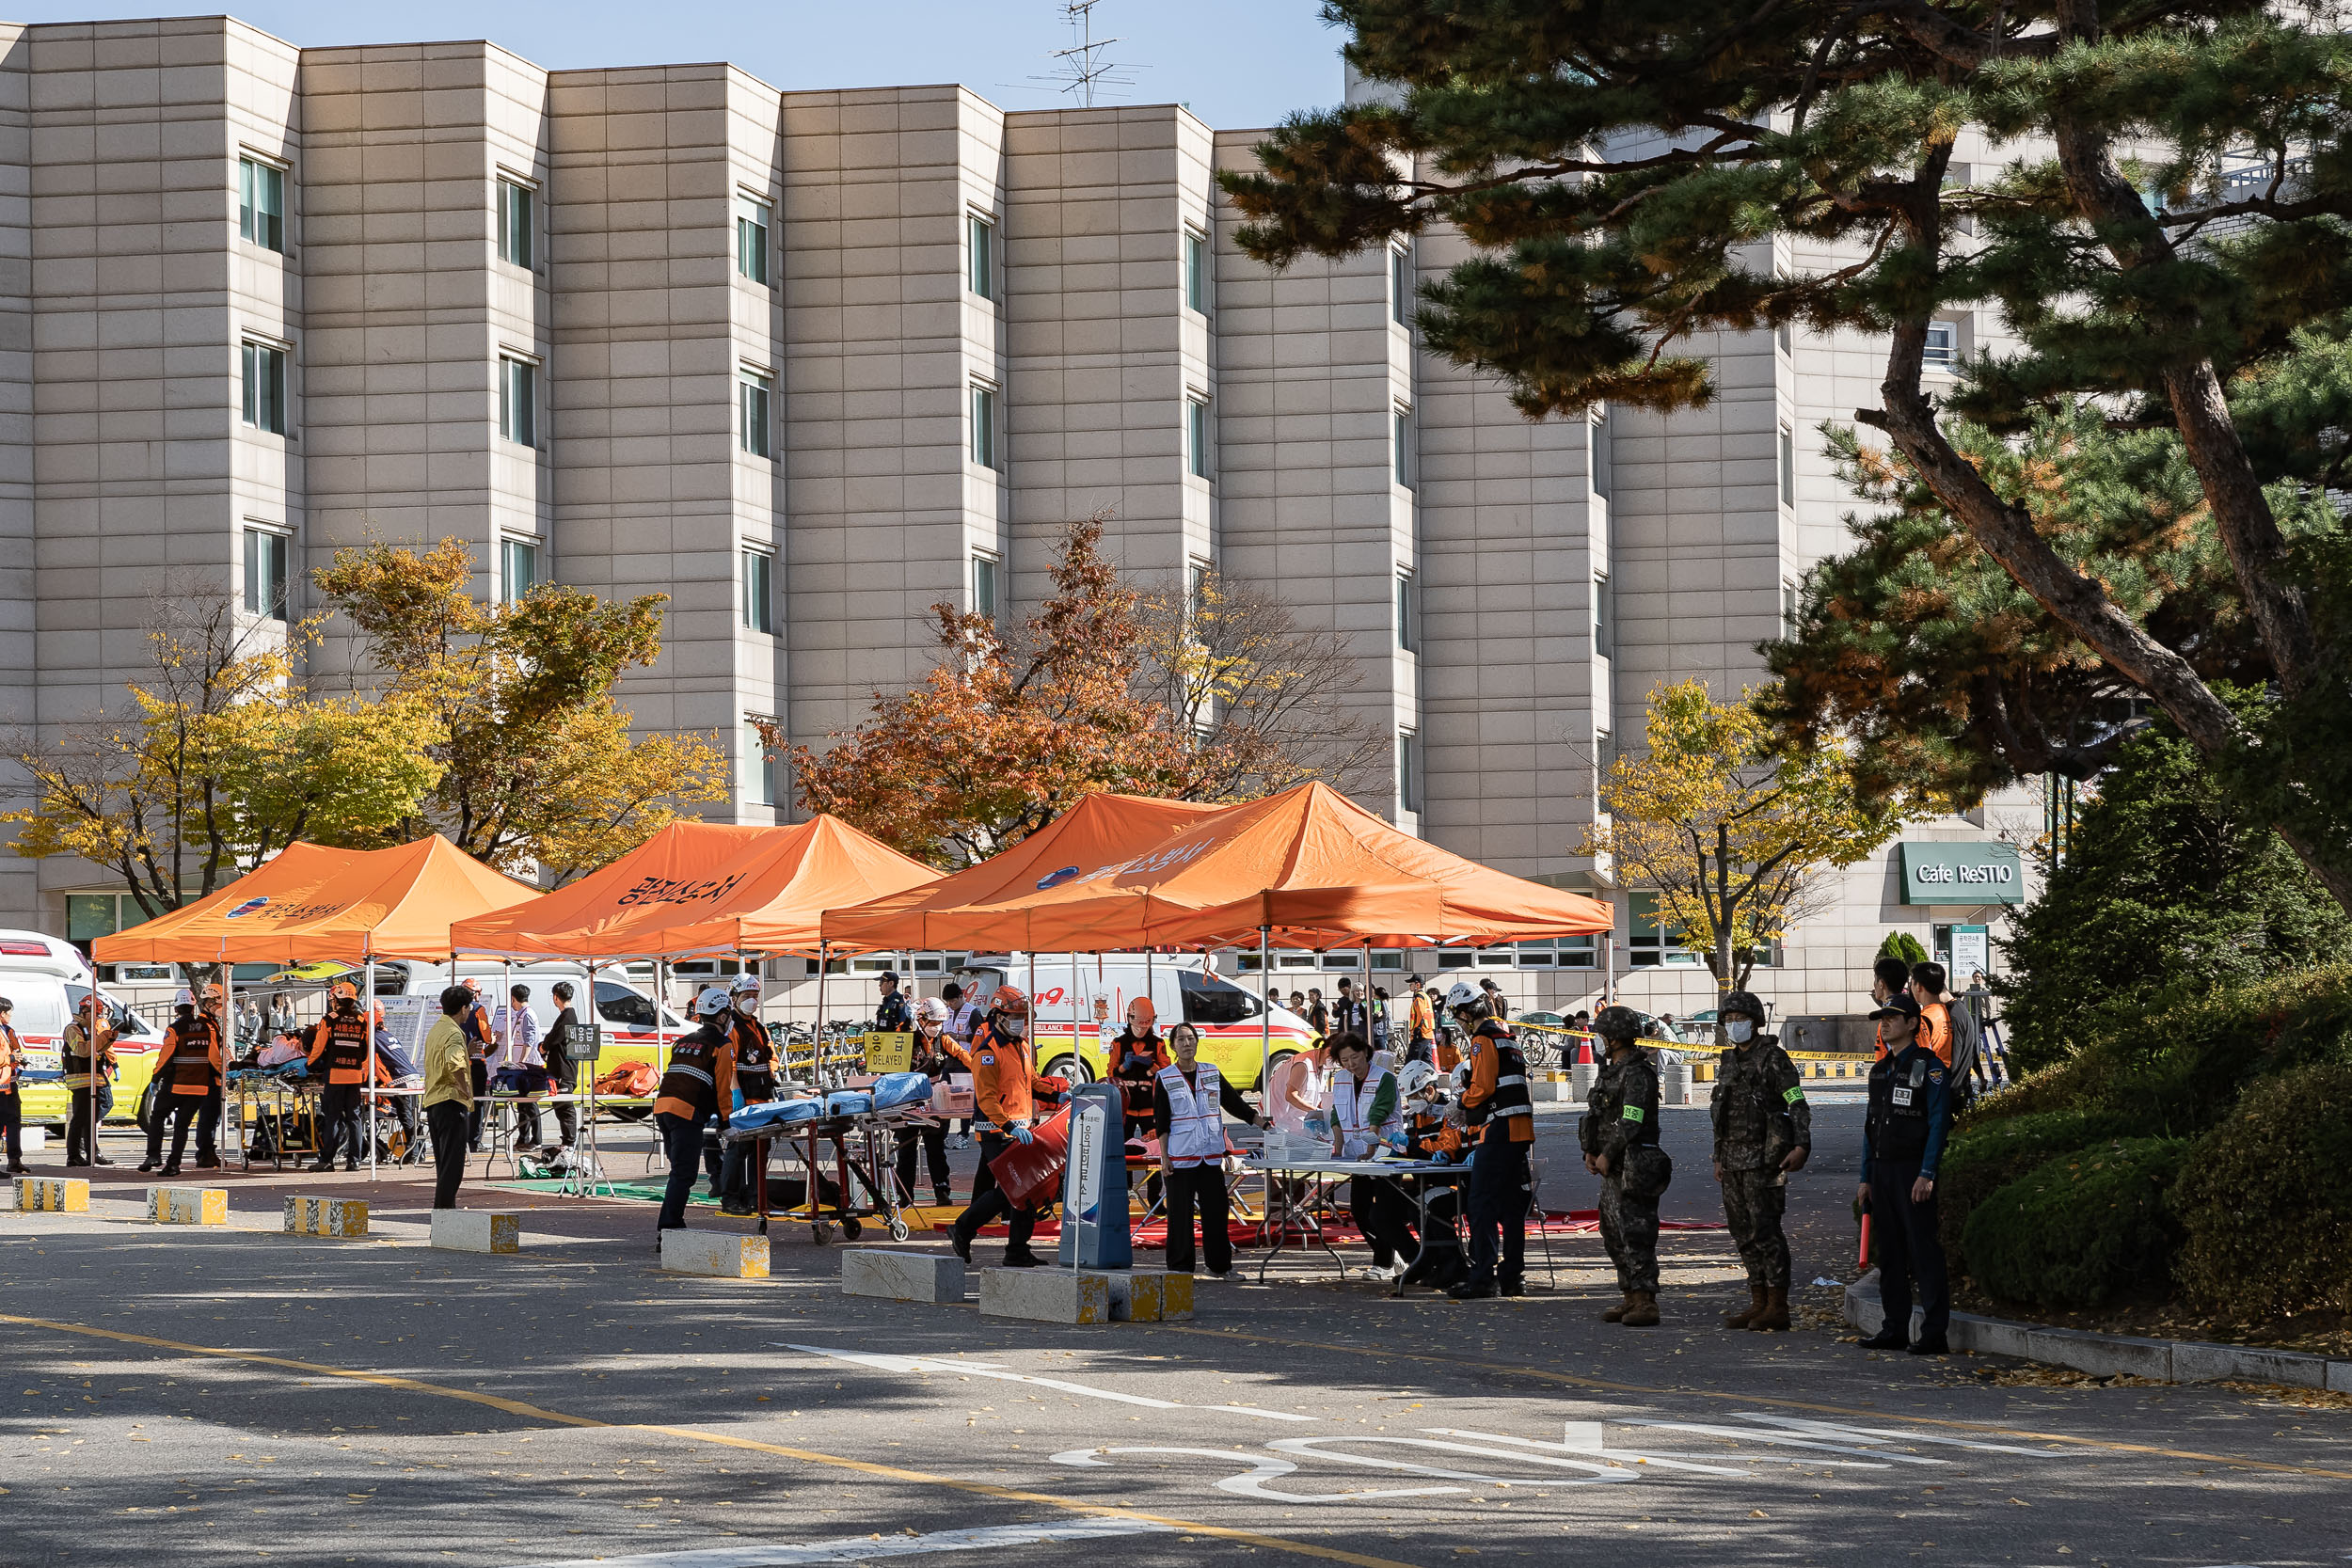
(634, 1029)
(49, 981)
(1094, 993)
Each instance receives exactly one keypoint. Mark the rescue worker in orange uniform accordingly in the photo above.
(189, 1064)
(341, 1044)
(755, 1079)
(1427, 1136)
(1495, 1104)
(935, 1055)
(1003, 1085)
(1928, 981)
(698, 1087)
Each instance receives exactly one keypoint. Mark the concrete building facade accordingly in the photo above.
(812, 362)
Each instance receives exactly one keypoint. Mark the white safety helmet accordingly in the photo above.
(1464, 994)
(930, 1011)
(711, 1003)
(1412, 1077)
(184, 998)
(746, 984)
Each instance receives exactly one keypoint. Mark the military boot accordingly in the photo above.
(1755, 1309)
(1776, 1313)
(1616, 1313)
(1640, 1309)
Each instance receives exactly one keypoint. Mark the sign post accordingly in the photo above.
(1094, 1181)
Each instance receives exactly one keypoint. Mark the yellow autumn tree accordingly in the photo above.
(1731, 839)
(220, 759)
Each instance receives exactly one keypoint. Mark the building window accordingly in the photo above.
(980, 235)
(518, 568)
(1407, 623)
(1942, 350)
(518, 401)
(759, 591)
(1604, 616)
(1196, 271)
(760, 766)
(752, 222)
(1783, 336)
(1602, 466)
(983, 425)
(1196, 436)
(265, 573)
(518, 240)
(1789, 605)
(1408, 770)
(1196, 588)
(1787, 467)
(1558, 953)
(1400, 438)
(984, 586)
(264, 377)
(261, 204)
(1647, 941)
(752, 394)
(1604, 758)
(1401, 287)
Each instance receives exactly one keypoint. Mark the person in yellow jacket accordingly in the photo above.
(448, 1094)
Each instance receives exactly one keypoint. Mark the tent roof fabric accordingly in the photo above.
(703, 887)
(1310, 865)
(960, 909)
(313, 902)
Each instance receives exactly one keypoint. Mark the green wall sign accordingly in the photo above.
(1938, 872)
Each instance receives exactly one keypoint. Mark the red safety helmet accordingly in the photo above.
(1009, 999)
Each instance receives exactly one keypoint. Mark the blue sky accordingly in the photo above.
(1239, 63)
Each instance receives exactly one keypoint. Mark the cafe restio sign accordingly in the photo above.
(1942, 872)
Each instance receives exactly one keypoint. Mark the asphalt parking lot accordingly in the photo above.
(234, 1395)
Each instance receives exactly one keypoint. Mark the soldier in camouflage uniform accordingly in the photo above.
(1763, 1131)
(1621, 1113)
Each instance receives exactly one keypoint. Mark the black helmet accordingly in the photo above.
(1740, 1002)
(1618, 1024)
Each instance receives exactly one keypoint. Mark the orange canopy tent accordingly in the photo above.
(703, 887)
(311, 902)
(1305, 868)
(980, 907)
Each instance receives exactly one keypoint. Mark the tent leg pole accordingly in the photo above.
(367, 1017)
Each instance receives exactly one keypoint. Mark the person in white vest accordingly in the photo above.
(1190, 1100)
(1366, 1114)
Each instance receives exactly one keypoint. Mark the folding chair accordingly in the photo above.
(1536, 1169)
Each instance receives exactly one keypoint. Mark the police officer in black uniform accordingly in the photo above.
(1903, 1134)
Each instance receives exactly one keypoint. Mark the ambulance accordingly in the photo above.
(634, 1027)
(1079, 1004)
(49, 981)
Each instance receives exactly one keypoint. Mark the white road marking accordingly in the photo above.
(866, 1549)
(1262, 1468)
(1894, 1434)
(1595, 1472)
(1001, 1374)
(1749, 1434)
(1584, 1437)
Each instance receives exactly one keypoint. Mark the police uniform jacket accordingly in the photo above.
(1910, 1111)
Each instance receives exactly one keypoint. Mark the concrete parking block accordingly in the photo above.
(2340, 1377)
(1046, 1295)
(187, 1205)
(2201, 1361)
(903, 1276)
(53, 1195)
(327, 1216)
(1581, 1079)
(721, 1254)
(477, 1230)
(2103, 1354)
(1150, 1295)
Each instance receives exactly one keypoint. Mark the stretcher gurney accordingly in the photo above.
(867, 1117)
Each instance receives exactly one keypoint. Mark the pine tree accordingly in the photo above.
(2170, 242)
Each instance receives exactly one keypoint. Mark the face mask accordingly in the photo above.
(1012, 1028)
(1741, 1033)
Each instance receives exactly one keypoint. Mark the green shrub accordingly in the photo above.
(1903, 945)
(2082, 1229)
(2266, 1200)
(1987, 1155)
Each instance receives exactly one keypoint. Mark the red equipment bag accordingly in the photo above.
(1030, 1173)
(630, 1081)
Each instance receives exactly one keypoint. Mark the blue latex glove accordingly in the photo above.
(1020, 1135)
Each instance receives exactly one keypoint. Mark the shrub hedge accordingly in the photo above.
(2266, 1200)
(1986, 1155)
(2082, 1229)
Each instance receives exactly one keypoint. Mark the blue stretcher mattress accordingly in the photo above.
(898, 1091)
(776, 1114)
(849, 1103)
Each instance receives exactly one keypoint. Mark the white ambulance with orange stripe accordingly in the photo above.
(1080, 1002)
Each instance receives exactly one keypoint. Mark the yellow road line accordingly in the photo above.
(691, 1434)
(1574, 1380)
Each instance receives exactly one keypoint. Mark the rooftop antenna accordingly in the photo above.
(1081, 69)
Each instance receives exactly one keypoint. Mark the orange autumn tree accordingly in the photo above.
(1009, 730)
